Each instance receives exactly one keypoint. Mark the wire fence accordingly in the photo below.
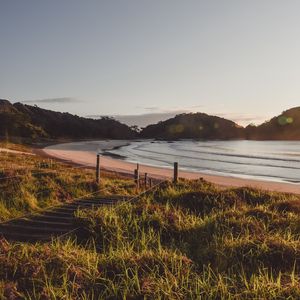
(90, 186)
(124, 202)
(142, 184)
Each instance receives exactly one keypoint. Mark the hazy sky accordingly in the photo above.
(238, 59)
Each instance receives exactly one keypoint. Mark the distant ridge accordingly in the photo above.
(286, 126)
(194, 125)
(32, 122)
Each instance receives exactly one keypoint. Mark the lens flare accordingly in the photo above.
(283, 120)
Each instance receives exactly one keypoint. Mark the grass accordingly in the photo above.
(240, 243)
(13, 146)
(31, 183)
(189, 241)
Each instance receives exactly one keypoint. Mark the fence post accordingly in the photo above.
(150, 182)
(98, 169)
(137, 178)
(175, 178)
(146, 179)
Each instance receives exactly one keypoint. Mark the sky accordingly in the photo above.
(140, 59)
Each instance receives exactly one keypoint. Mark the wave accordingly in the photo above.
(215, 158)
(220, 171)
(245, 156)
(219, 160)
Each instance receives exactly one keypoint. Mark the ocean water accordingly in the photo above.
(267, 160)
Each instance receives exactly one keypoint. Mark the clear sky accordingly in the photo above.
(238, 59)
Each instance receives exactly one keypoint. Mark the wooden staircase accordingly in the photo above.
(51, 223)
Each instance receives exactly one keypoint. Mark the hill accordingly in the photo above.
(286, 126)
(26, 121)
(33, 122)
(194, 125)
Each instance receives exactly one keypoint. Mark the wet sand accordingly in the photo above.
(84, 153)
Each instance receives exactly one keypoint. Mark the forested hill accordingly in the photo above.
(286, 126)
(194, 125)
(33, 122)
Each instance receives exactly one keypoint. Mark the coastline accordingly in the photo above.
(85, 154)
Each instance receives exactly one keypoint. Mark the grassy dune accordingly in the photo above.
(190, 241)
(194, 241)
(31, 183)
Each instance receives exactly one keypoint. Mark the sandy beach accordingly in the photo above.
(84, 153)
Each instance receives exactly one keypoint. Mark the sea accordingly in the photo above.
(263, 160)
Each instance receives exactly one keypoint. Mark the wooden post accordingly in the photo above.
(146, 178)
(135, 175)
(150, 182)
(138, 175)
(175, 178)
(98, 169)
(137, 178)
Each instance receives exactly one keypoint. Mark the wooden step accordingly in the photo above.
(25, 237)
(50, 218)
(51, 223)
(58, 213)
(89, 202)
(4, 229)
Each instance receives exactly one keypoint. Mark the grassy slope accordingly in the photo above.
(183, 242)
(30, 183)
(13, 146)
(195, 240)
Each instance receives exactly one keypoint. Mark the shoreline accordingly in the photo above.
(85, 154)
